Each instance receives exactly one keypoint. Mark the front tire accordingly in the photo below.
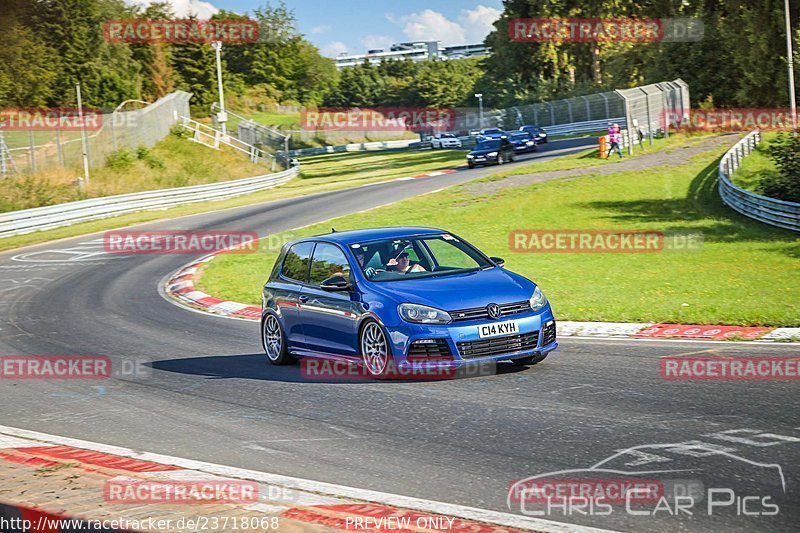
(274, 341)
(375, 353)
(471, 165)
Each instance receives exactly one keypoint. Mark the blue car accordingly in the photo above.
(402, 298)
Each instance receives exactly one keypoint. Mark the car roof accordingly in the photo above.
(373, 234)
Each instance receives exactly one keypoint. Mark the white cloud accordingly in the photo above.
(333, 49)
(185, 8)
(373, 42)
(473, 25)
(316, 30)
(477, 23)
(430, 25)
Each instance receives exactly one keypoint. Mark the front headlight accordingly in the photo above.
(422, 314)
(530, 143)
(538, 300)
(491, 154)
(470, 156)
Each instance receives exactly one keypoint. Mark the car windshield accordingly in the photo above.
(488, 145)
(418, 257)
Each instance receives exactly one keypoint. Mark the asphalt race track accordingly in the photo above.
(205, 391)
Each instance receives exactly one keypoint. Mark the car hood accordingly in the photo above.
(459, 291)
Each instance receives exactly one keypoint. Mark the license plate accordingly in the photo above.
(497, 329)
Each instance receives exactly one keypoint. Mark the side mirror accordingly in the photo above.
(499, 261)
(335, 283)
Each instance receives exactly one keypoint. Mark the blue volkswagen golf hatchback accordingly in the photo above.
(401, 298)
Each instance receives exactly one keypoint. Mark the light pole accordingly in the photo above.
(479, 96)
(84, 143)
(789, 56)
(222, 117)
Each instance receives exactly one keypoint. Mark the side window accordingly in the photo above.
(328, 261)
(296, 262)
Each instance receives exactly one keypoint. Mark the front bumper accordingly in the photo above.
(458, 334)
(482, 160)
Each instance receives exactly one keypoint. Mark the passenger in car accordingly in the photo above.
(403, 265)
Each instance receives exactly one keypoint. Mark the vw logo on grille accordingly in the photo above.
(493, 310)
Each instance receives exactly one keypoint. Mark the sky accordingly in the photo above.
(355, 26)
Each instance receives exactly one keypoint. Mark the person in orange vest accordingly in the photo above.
(614, 140)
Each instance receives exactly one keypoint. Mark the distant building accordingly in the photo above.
(416, 51)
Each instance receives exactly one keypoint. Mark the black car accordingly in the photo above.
(491, 151)
(538, 133)
(523, 142)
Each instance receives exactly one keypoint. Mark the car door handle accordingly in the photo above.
(303, 299)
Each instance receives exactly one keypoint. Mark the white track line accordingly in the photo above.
(395, 500)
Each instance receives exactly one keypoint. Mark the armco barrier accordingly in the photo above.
(762, 208)
(559, 130)
(355, 147)
(42, 218)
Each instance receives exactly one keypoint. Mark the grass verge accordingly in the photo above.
(319, 174)
(173, 162)
(745, 273)
(591, 158)
(757, 166)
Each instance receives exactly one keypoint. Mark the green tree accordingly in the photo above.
(28, 74)
(74, 30)
(195, 69)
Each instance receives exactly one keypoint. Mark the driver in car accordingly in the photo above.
(361, 258)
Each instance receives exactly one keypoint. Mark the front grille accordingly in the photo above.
(428, 350)
(480, 313)
(498, 345)
(549, 333)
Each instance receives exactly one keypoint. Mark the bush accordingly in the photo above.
(180, 132)
(143, 153)
(120, 160)
(785, 185)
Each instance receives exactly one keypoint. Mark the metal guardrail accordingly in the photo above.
(762, 208)
(583, 127)
(42, 218)
(354, 147)
(552, 131)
